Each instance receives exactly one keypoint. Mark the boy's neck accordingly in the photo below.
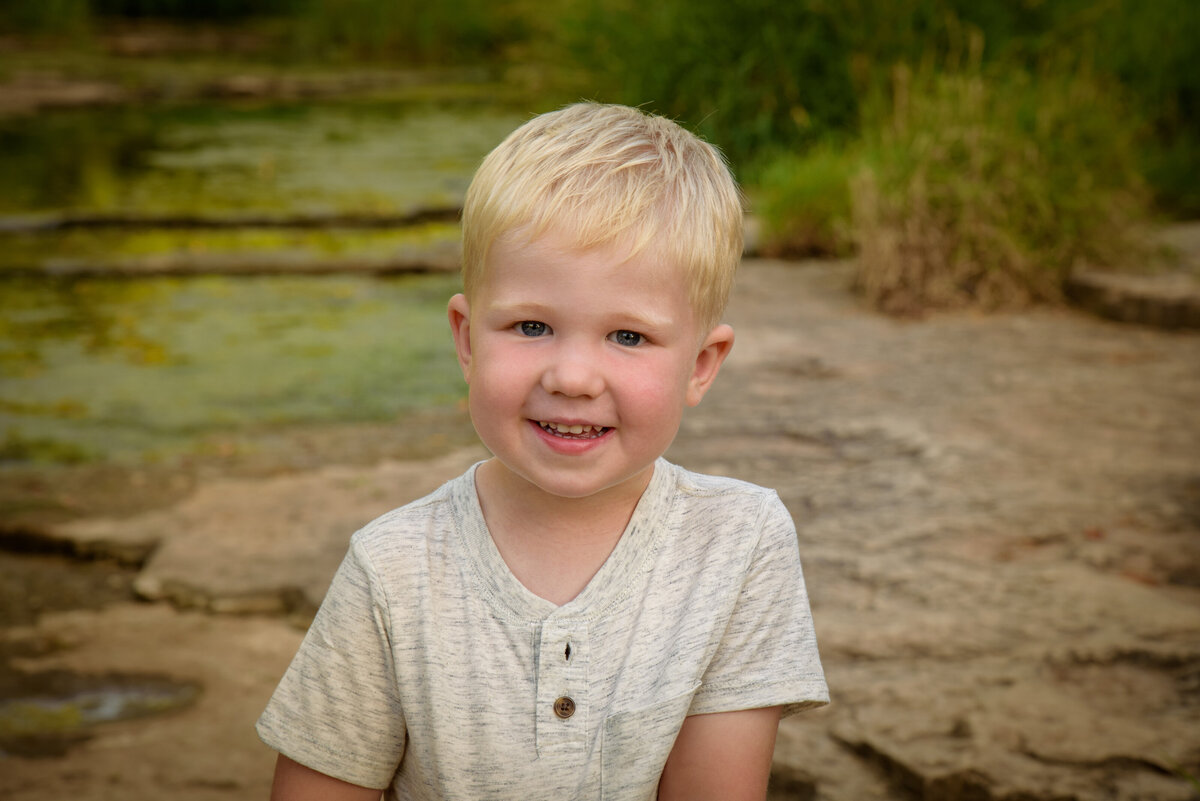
(554, 545)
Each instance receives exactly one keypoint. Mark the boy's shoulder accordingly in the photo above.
(704, 502)
(706, 485)
(418, 518)
(717, 526)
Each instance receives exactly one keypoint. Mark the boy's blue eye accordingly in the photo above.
(627, 338)
(532, 328)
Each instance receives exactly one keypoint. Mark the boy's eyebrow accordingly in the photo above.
(519, 308)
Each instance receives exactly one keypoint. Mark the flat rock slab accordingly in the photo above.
(1000, 522)
(1165, 301)
(267, 545)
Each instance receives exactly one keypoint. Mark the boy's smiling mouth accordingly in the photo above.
(576, 431)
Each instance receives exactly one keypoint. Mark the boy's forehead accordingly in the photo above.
(522, 252)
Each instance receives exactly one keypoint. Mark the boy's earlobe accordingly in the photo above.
(459, 312)
(713, 350)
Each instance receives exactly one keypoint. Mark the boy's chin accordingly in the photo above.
(583, 486)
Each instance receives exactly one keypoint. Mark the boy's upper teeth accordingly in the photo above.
(562, 428)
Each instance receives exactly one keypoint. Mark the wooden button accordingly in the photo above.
(564, 707)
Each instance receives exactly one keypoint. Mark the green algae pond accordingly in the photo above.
(125, 368)
(171, 273)
(260, 157)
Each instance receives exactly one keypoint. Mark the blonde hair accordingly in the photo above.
(600, 174)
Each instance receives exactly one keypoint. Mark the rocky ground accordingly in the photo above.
(999, 516)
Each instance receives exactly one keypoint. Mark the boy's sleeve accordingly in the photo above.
(768, 654)
(336, 710)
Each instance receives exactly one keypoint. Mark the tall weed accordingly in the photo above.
(803, 202)
(987, 189)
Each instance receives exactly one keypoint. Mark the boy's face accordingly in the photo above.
(580, 363)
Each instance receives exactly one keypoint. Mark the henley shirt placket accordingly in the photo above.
(563, 698)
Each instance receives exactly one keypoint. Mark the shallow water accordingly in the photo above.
(149, 368)
(44, 714)
(262, 158)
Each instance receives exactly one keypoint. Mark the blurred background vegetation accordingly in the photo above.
(765, 80)
(977, 149)
(970, 152)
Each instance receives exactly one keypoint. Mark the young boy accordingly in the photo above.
(574, 618)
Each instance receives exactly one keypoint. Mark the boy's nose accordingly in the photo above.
(573, 372)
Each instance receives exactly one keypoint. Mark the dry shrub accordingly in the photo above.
(987, 191)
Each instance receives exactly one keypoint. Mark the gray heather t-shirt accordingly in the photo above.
(432, 671)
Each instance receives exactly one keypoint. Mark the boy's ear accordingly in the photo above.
(459, 312)
(713, 350)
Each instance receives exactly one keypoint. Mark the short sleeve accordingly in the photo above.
(337, 710)
(768, 654)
